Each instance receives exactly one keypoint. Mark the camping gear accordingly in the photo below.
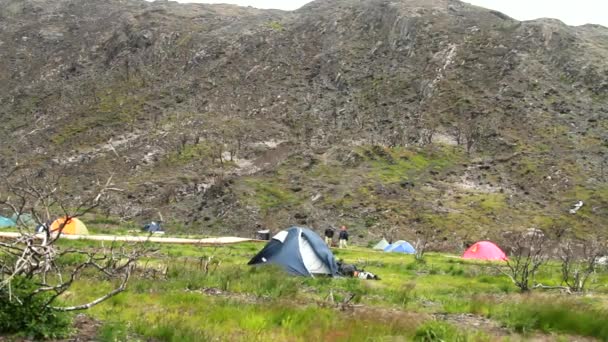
(73, 226)
(299, 251)
(577, 206)
(381, 245)
(349, 270)
(366, 275)
(400, 247)
(6, 222)
(153, 227)
(24, 219)
(484, 250)
(263, 234)
(41, 228)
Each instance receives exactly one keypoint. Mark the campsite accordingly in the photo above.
(189, 292)
(340, 170)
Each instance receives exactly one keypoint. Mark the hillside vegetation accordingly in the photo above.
(376, 114)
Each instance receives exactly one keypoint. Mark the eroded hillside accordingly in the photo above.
(378, 114)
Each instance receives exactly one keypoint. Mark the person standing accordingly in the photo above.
(343, 237)
(329, 236)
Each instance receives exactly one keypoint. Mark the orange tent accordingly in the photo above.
(73, 226)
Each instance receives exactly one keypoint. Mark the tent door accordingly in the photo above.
(312, 262)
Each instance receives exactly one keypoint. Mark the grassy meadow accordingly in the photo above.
(192, 293)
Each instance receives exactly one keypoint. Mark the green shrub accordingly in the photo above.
(29, 317)
(405, 295)
(357, 288)
(276, 26)
(112, 332)
(269, 281)
(434, 331)
(71, 259)
(171, 331)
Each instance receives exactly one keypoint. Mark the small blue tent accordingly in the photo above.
(6, 222)
(153, 227)
(299, 251)
(400, 247)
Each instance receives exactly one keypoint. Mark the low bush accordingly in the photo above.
(435, 331)
(26, 315)
(405, 294)
(113, 331)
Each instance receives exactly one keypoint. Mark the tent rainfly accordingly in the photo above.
(24, 219)
(381, 245)
(299, 251)
(484, 250)
(6, 222)
(73, 226)
(400, 247)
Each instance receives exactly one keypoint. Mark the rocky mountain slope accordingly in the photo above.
(412, 114)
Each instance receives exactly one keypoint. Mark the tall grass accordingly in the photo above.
(435, 331)
(236, 302)
(548, 314)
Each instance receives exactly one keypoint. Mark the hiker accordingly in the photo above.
(43, 227)
(343, 237)
(348, 270)
(329, 236)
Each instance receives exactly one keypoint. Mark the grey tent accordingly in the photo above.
(299, 251)
(381, 245)
(6, 222)
(153, 227)
(24, 219)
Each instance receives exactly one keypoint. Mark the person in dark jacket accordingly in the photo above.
(348, 270)
(343, 237)
(329, 236)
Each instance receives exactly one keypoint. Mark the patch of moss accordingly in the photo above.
(327, 173)
(68, 132)
(276, 26)
(393, 165)
(190, 153)
(268, 194)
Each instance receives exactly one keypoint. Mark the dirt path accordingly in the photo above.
(225, 240)
(474, 322)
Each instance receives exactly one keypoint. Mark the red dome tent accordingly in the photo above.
(484, 250)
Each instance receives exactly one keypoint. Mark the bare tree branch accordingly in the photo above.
(527, 255)
(35, 257)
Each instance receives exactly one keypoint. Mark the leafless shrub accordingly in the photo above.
(580, 260)
(424, 238)
(38, 258)
(527, 254)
